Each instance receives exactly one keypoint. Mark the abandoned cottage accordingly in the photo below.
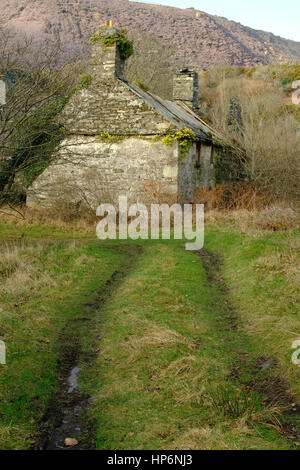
(123, 140)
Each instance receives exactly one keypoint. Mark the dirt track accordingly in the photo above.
(66, 416)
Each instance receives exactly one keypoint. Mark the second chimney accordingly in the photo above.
(185, 87)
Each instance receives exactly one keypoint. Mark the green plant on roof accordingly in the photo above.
(83, 84)
(142, 86)
(119, 38)
(185, 137)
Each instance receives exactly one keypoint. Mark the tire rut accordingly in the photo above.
(265, 375)
(67, 412)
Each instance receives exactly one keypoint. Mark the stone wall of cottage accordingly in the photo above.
(88, 172)
(206, 166)
(187, 176)
(196, 170)
(110, 106)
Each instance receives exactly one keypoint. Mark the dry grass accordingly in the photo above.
(152, 336)
(151, 354)
(286, 263)
(277, 218)
(43, 284)
(231, 435)
(159, 373)
(273, 218)
(60, 215)
(221, 437)
(20, 271)
(262, 271)
(6, 433)
(9, 262)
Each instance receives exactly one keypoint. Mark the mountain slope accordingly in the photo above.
(201, 39)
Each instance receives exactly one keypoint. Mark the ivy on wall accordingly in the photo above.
(109, 138)
(119, 38)
(185, 137)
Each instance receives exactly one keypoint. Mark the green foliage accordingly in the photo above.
(83, 84)
(108, 138)
(185, 137)
(290, 74)
(119, 38)
(142, 86)
(286, 81)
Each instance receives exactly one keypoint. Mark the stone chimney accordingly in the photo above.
(106, 61)
(185, 87)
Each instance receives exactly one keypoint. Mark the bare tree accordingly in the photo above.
(37, 88)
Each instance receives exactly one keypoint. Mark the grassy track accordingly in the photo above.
(262, 272)
(173, 359)
(165, 368)
(44, 284)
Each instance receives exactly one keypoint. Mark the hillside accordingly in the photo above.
(201, 39)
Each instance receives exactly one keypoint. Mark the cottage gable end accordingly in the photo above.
(108, 104)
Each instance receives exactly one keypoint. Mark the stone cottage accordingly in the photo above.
(122, 140)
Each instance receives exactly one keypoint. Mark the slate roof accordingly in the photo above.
(180, 115)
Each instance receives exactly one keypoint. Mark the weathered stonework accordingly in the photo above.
(111, 107)
(88, 171)
(185, 87)
(205, 176)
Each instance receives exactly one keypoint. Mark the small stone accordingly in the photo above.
(96, 397)
(267, 366)
(70, 442)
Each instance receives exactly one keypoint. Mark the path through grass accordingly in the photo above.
(175, 356)
(165, 371)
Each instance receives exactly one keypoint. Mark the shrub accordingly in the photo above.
(119, 38)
